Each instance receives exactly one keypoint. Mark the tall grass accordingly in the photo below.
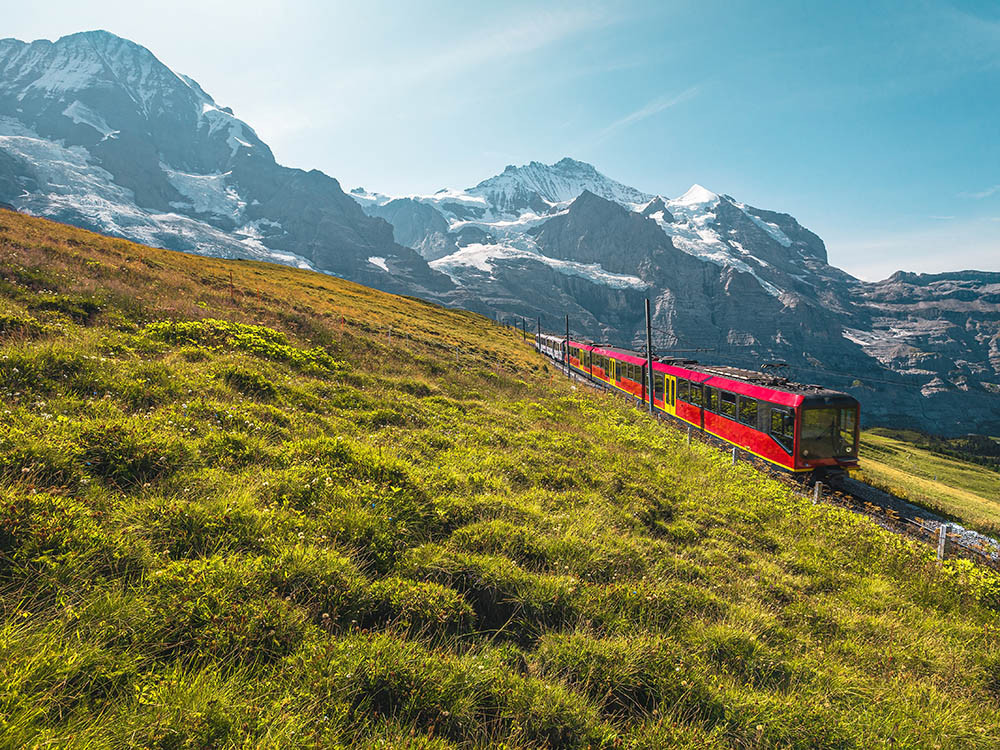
(244, 523)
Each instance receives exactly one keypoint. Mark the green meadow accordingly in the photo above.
(236, 512)
(960, 486)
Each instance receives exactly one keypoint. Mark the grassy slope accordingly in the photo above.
(967, 492)
(220, 535)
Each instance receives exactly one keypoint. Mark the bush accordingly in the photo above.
(259, 341)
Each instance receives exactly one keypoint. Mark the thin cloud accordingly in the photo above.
(651, 108)
(982, 193)
(451, 58)
(942, 218)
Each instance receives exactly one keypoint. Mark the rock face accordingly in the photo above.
(96, 132)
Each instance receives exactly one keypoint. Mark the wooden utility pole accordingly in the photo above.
(566, 349)
(649, 357)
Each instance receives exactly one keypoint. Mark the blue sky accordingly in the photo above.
(876, 124)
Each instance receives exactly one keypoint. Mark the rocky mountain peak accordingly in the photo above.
(557, 183)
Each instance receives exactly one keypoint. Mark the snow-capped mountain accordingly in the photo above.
(501, 218)
(745, 283)
(95, 131)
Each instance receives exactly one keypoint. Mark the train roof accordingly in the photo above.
(755, 383)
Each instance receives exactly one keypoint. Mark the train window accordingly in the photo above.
(696, 394)
(682, 390)
(783, 428)
(711, 399)
(727, 404)
(657, 387)
(673, 391)
(748, 411)
(828, 432)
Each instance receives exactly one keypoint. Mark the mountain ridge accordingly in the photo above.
(96, 131)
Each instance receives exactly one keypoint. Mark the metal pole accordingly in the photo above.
(566, 349)
(817, 492)
(689, 436)
(649, 357)
(942, 540)
(734, 455)
(524, 330)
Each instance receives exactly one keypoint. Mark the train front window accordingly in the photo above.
(827, 433)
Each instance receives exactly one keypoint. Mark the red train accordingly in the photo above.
(801, 428)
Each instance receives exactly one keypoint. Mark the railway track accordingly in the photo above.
(887, 510)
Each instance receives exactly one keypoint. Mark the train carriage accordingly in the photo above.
(551, 346)
(801, 428)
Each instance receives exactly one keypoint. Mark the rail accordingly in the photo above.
(887, 510)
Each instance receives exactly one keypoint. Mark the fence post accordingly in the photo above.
(734, 456)
(817, 492)
(689, 436)
(942, 540)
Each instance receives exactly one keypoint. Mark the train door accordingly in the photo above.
(670, 394)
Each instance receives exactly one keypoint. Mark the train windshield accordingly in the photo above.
(828, 432)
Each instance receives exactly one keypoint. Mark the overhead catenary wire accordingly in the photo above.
(744, 353)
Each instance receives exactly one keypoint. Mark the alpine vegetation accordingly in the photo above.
(246, 505)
